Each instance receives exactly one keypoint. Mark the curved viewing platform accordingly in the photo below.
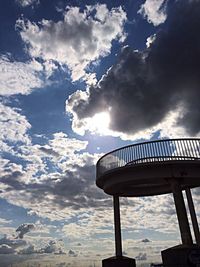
(144, 169)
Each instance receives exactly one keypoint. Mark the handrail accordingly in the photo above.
(160, 150)
(159, 159)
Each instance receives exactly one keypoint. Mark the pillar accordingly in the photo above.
(118, 260)
(181, 213)
(193, 215)
(118, 238)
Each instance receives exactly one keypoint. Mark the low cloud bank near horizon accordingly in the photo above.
(143, 87)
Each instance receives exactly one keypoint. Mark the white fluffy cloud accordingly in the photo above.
(52, 247)
(150, 40)
(80, 38)
(71, 145)
(54, 174)
(18, 77)
(13, 127)
(154, 11)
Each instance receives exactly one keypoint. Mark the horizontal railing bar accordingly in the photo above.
(162, 157)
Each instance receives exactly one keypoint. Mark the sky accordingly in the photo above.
(77, 80)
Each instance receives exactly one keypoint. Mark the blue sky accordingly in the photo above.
(78, 79)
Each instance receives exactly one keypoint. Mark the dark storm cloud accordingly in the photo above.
(143, 87)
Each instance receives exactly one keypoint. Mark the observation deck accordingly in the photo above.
(145, 169)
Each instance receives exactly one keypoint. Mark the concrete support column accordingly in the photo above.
(118, 239)
(118, 260)
(181, 213)
(193, 215)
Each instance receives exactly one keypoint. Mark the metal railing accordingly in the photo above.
(148, 152)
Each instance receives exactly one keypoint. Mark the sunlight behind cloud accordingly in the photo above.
(99, 123)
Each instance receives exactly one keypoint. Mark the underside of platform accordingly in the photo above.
(147, 179)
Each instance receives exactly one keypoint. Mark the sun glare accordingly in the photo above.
(100, 122)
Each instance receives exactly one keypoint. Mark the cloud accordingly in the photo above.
(72, 253)
(4, 221)
(49, 248)
(12, 242)
(54, 148)
(152, 251)
(19, 77)
(13, 126)
(5, 249)
(146, 240)
(70, 192)
(24, 229)
(53, 193)
(141, 257)
(150, 40)
(148, 91)
(80, 38)
(53, 247)
(71, 145)
(25, 3)
(15, 141)
(67, 190)
(73, 188)
(154, 11)
(28, 250)
(13, 135)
